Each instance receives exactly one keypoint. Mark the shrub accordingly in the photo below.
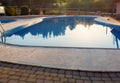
(35, 11)
(53, 12)
(10, 11)
(24, 10)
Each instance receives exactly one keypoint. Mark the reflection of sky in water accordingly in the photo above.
(68, 32)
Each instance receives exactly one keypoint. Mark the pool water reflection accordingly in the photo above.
(67, 32)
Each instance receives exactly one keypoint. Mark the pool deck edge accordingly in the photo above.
(63, 58)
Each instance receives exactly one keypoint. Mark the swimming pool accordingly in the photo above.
(6, 21)
(67, 31)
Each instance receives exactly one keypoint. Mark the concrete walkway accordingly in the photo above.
(22, 22)
(65, 58)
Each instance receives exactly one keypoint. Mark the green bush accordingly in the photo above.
(53, 12)
(10, 11)
(24, 10)
(35, 11)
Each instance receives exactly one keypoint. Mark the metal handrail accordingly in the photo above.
(3, 37)
(2, 27)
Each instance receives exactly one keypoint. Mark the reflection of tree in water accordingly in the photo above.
(116, 33)
(54, 26)
(115, 30)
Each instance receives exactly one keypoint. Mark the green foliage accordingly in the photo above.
(35, 11)
(63, 5)
(53, 12)
(24, 10)
(10, 11)
(91, 5)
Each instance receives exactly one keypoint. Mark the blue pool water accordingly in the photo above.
(81, 32)
(6, 21)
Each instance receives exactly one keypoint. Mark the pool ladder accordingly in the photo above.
(3, 36)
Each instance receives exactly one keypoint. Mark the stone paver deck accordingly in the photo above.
(16, 73)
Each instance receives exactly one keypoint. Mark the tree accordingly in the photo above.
(91, 5)
(24, 10)
(10, 11)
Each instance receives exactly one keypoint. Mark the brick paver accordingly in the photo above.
(16, 73)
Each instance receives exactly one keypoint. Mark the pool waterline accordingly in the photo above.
(66, 32)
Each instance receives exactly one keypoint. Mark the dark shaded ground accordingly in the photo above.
(16, 73)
